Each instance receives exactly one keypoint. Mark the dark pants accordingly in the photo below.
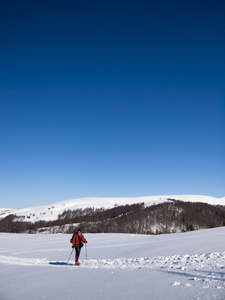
(77, 249)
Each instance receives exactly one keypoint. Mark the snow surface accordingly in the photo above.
(119, 266)
(51, 212)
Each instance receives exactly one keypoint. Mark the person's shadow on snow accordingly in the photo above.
(58, 263)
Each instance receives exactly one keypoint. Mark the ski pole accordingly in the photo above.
(86, 250)
(70, 255)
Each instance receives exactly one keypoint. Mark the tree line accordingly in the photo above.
(168, 217)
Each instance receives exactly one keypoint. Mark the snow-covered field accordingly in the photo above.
(51, 212)
(119, 266)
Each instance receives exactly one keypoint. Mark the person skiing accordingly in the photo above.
(77, 243)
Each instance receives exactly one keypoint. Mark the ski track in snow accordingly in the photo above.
(207, 268)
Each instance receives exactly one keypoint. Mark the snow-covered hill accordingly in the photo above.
(119, 266)
(51, 212)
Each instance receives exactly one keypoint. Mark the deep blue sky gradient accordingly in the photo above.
(111, 98)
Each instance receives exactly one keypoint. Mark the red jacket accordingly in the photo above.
(77, 240)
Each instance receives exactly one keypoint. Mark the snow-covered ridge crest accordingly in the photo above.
(51, 212)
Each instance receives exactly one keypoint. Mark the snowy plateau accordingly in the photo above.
(183, 266)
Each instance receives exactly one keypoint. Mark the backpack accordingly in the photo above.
(75, 232)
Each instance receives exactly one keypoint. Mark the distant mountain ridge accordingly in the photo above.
(51, 212)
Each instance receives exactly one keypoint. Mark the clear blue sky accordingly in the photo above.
(111, 98)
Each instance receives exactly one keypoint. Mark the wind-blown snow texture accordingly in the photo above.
(119, 266)
(51, 212)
